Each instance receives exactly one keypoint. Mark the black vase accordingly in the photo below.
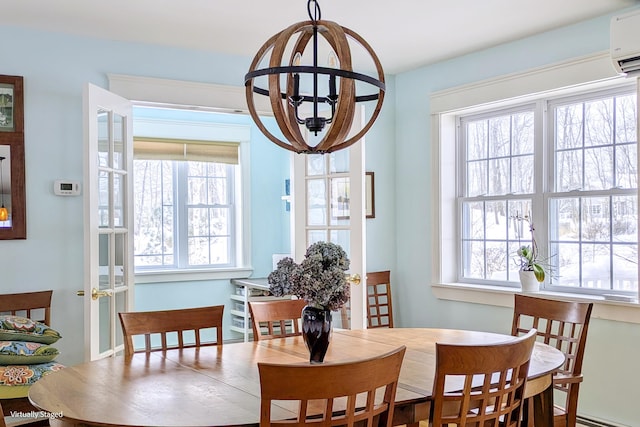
(316, 331)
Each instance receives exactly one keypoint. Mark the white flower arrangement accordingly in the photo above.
(319, 279)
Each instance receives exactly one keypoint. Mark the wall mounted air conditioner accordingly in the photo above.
(625, 42)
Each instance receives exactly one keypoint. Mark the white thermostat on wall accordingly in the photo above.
(66, 188)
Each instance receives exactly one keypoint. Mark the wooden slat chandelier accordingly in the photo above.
(332, 115)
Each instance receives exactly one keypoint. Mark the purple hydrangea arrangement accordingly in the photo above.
(319, 279)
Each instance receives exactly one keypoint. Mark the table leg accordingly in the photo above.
(543, 408)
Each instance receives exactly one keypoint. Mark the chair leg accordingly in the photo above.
(527, 413)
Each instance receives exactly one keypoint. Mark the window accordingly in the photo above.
(187, 210)
(184, 213)
(571, 164)
(593, 214)
(497, 149)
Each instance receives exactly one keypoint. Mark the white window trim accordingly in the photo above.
(219, 98)
(580, 74)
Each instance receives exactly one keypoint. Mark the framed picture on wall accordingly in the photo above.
(369, 200)
(12, 191)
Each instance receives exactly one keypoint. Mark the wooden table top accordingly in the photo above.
(220, 385)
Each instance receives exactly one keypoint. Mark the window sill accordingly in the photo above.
(503, 297)
(192, 275)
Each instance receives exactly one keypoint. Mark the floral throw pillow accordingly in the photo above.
(25, 353)
(15, 380)
(16, 328)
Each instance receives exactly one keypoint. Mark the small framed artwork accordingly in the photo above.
(12, 191)
(369, 200)
(7, 105)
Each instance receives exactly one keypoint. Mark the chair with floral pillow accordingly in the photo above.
(25, 351)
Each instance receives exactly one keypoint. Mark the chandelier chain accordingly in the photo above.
(317, 15)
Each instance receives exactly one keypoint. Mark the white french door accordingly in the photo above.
(108, 261)
(328, 205)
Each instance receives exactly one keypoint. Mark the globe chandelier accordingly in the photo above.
(313, 105)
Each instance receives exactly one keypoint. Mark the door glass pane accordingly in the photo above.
(103, 199)
(340, 201)
(118, 199)
(103, 261)
(118, 141)
(103, 138)
(120, 261)
(339, 161)
(120, 299)
(316, 202)
(315, 164)
(342, 238)
(314, 236)
(104, 313)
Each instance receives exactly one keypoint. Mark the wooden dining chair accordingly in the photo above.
(563, 325)
(379, 302)
(481, 385)
(186, 326)
(35, 306)
(332, 394)
(276, 319)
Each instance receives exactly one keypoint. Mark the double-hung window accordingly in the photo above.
(568, 164)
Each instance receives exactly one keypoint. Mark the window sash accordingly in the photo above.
(181, 211)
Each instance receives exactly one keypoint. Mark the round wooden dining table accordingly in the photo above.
(220, 385)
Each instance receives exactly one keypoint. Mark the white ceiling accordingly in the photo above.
(404, 33)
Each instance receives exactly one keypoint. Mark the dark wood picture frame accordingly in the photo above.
(12, 148)
(369, 199)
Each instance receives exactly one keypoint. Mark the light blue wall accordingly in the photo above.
(611, 375)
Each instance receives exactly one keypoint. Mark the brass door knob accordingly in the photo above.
(95, 294)
(354, 278)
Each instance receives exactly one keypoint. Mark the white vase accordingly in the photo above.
(529, 282)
